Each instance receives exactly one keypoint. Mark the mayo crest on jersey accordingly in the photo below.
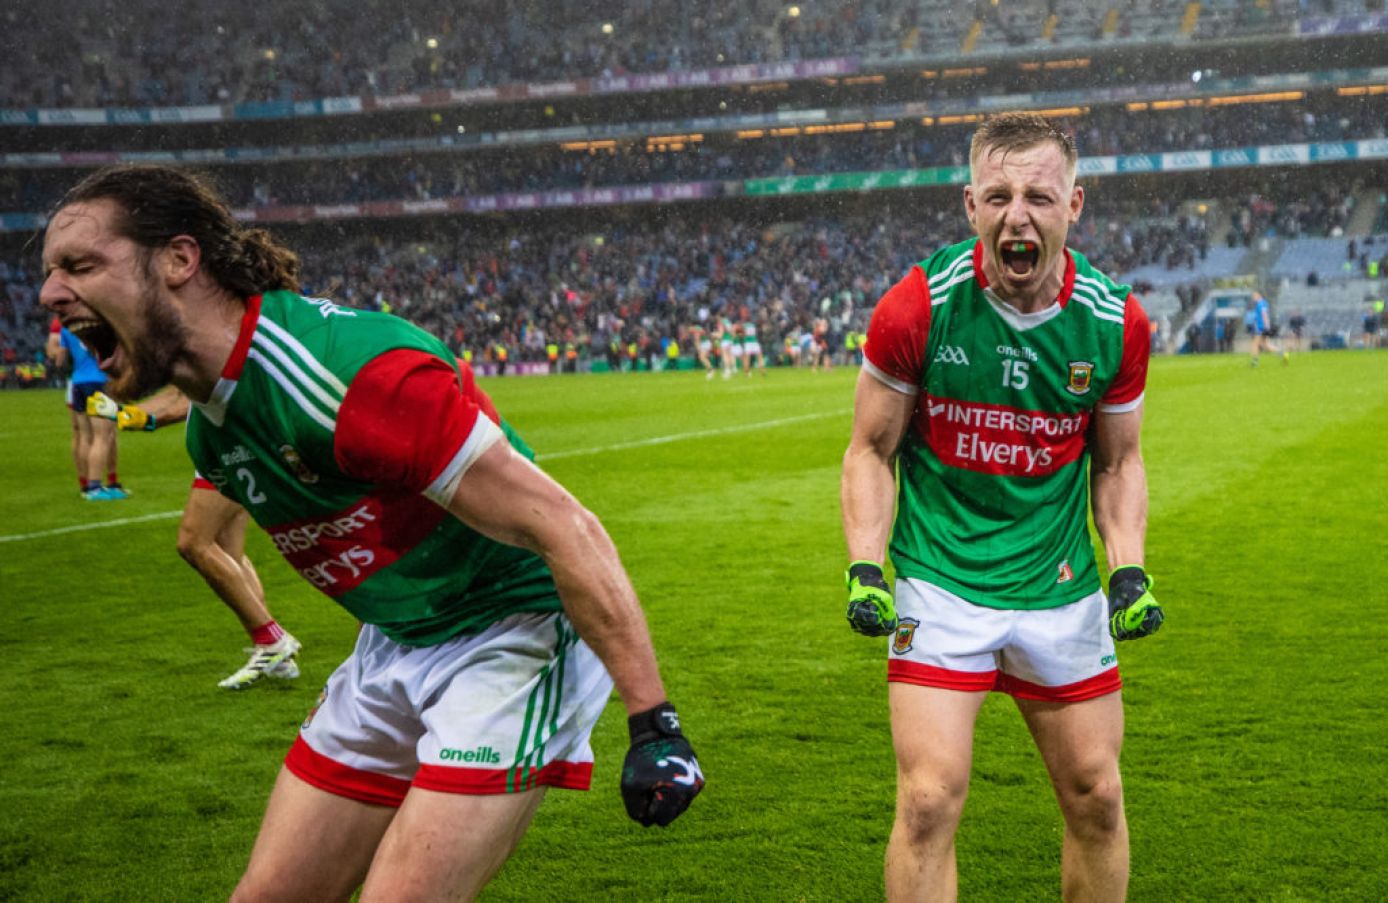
(390, 556)
(993, 495)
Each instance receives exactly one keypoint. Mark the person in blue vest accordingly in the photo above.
(93, 439)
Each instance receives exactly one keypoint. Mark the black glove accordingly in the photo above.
(660, 776)
(1133, 612)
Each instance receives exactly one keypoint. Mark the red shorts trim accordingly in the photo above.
(899, 671)
(451, 779)
(905, 672)
(201, 482)
(314, 768)
(1090, 688)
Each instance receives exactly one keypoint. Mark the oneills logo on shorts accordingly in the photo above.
(1081, 375)
(294, 462)
(905, 635)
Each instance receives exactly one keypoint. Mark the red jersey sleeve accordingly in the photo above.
(1125, 392)
(473, 391)
(406, 422)
(895, 348)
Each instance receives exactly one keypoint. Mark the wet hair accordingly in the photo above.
(158, 203)
(1008, 132)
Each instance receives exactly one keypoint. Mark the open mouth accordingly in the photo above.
(97, 335)
(1019, 257)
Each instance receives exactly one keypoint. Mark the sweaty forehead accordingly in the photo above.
(1038, 163)
(79, 228)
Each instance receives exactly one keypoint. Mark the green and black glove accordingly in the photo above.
(871, 609)
(660, 776)
(1133, 612)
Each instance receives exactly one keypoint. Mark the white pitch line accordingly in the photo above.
(697, 434)
(572, 453)
(79, 528)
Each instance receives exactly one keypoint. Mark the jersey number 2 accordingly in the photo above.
(253, 496)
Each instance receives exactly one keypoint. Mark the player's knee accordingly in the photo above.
(1093, 806)
(192, 547)
(927, 810)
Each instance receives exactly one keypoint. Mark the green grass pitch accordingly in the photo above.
(1257, 743)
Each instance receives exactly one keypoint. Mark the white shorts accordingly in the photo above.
(752, 348)
(1060, 654)
(501, 711)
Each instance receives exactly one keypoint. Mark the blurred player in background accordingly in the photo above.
(212, 538)
(751, 348)
(702, 346)
(387, 479)
(1263, 330)
(93, 440)
(822, 353)
(993, 371)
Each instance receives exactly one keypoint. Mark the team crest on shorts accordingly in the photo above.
(905, 635)
(1066, 574)
(295, 462)
(1081, 375)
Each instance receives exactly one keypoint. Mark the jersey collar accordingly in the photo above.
(215, 408)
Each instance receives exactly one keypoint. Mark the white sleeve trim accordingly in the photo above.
(1123, 407)
(888, 380)
(483, 436)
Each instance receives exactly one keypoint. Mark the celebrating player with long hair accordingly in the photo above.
(388, 481)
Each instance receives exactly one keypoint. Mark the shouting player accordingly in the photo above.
(1002, 384)
(488, 593)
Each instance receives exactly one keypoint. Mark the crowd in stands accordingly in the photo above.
(1322, 212)
(909, 145)
(482, 288)
(104, 53)
(478, 287)
(520, 290)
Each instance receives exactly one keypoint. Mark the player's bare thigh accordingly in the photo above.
(932, 733)
(1079, 741)
(313, 845)
(447, 845)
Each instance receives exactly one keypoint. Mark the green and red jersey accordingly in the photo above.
(993, 477)
(343, 433)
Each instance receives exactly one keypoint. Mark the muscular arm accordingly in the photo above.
(166, 406)
(505, 497)
(1118, 486)
(881, 415)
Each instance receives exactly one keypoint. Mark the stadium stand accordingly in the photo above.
(789, 160)
(1334, 313)
(1327, 259)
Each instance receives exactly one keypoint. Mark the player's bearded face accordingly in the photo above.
(150, 357)
(104, 289)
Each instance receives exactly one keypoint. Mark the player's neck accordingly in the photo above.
(212, 333)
